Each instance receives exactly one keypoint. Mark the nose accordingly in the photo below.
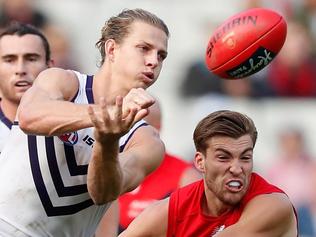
(152, 60)
(235, 167)
(20, 68)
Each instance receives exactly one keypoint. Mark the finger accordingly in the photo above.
(128, 107)
(119, 107)
(130, 118)
(141, 114)
(143, 98)
(104, 121)
(92, 115)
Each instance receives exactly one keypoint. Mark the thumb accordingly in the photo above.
(141, 114)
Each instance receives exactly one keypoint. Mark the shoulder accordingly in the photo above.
(146, 148)
(190, 193)
(58, 79)
(54, 71)
(258, 185)
(278, 203)
(143, 134)
(276, 212)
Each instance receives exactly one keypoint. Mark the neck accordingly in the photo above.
(212, 206)
(9, 109)
(104, 84)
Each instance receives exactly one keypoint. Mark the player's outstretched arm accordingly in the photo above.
(268, 215)
(152, 222)
(45, 108)
(108, 175)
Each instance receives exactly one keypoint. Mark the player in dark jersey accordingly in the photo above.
(231, 200)
(24, 53)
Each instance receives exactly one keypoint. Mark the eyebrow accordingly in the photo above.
(229, 153)
(24, 55)
(161, 51)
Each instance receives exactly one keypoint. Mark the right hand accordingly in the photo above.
(137, 99)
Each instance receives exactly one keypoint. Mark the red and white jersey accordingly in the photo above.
(43, 180)
(5, 127)
(158, 185)
(186, 219)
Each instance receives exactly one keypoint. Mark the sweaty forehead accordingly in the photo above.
(18, 45)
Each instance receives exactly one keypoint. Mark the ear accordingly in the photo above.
(109, 47)
(199, 161)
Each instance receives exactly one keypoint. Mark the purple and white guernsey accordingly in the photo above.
(43, 180)
(5, 126)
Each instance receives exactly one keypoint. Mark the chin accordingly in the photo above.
(233, 199)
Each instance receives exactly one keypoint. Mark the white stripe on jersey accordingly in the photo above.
(4, 134)
(5, 126)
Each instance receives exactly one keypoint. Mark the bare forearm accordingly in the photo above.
(104, 173)
(53, 118)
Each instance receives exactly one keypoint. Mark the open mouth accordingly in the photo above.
(22, 84)
(234, 186)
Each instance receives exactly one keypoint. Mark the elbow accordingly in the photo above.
(110, 193)
(103, 199)
(25, 121)
(33, 124)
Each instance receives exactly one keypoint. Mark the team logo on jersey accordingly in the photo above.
(217, 230)
(69, 138)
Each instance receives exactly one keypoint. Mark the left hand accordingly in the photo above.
(108, 121)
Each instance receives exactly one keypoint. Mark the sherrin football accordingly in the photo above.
(245, 43)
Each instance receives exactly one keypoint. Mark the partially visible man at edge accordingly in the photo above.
(24, 53)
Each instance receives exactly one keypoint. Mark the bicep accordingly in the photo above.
(152, 222)
(142, 155)
(268, 215)
(51, 84)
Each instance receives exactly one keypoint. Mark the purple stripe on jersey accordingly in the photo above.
(73, 99)
(42, 191)
(89, 91)
(61, 190)
(74, 169)
(130, 135)
(5, 120)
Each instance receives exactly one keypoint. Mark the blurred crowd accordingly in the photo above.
(291, 75)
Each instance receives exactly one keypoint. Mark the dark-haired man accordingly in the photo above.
(230, 200)
(24, 53)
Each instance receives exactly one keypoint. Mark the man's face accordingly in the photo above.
(227, 168)
(138, 59)
(22, 58)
